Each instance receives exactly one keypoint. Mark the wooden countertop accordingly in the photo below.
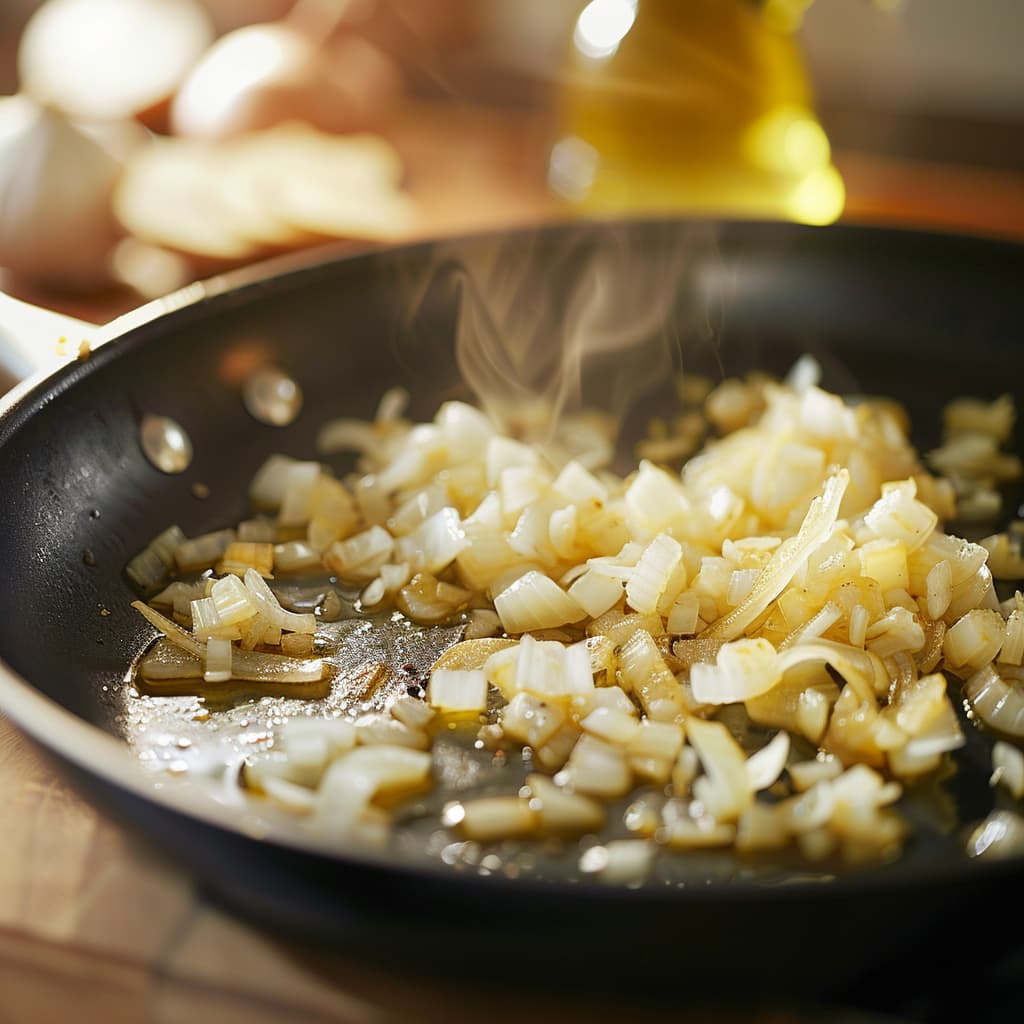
(94, 925)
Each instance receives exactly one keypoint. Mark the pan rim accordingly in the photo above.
(104, 756)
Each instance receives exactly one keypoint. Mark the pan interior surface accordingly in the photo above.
(922, 319)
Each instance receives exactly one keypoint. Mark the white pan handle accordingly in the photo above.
(30, 340)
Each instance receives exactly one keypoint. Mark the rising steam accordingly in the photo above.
(556, 323)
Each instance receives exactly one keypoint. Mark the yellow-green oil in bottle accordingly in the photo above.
(695, 105)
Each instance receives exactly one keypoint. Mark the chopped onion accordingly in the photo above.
(998, 702)
(765, 766)
(548, 668)
(495, 817)
(203, 552)
(218, 660)
(788, 558)
(269, 606)
(725, 790)
(151, 565)
(297, 495)
(457, 690)
(743, 669)
(296, 556)
(652, 573)
(533, 602)
(643, 670)
(559, 811)
(233, 602)
(620, 862)
(240, 556)
(597, 769)
(435, 544)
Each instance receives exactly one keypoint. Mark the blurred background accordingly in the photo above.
(145, 143)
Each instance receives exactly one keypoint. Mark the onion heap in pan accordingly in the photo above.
(795, 572)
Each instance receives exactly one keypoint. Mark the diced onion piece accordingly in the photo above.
(481, 623)
(426, 599)
(206, 621)
(218, 660)
(376, 729)
(150, 566)
(556, 751)
(998, 702)
(643, 670)
(577, 484)
(242, 555)
(359, 557)
(296, 556)
(289, 796)
(203, 552)
(886, 562)
(971, 415)
(787, 559)
(975, 640)
(652, 573)
(595, 592)
(654, 501)
(504, 453)
(295, 622)
(1008, 767)
(899, 630)
(257, 531)
(725, 790)
(337, 734)
(744, 669)
(297, 495)
(416, 714)
(765, 766)
(534, 602)
(297, 645)
(705, 832)
(1000, 835)
(435, 543)
(332, 512)
(805, 774)
(684, 615)
(619, 862)
(549, 669)
(491, 818)
(233, 602)
(466, 430)
(529, 720)
(597, 769)
(559, 811)
(610, 725)
(457, 690)
(899, 516)
(360, 775)
(1012, 651)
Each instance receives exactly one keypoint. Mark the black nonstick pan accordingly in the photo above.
(920, 317)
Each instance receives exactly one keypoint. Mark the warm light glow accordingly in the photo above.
(602, 25)
(819, 198)
(788, 141)
(572, 168)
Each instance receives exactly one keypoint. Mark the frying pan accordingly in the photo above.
(921, 317)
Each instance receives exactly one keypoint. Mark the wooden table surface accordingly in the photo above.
(95, 925)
